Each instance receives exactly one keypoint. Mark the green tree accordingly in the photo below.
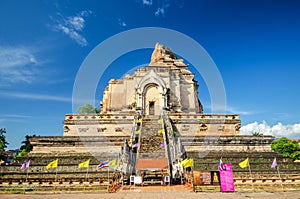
(287, 147)
(296, 155)
(87, 108)
(23, 152)
(26, 144)
(257, 134)
(3, 142)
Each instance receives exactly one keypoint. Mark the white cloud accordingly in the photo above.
(17, 64)
(15, 56)
(160, 12)
(13, 118)
(122, 23)
(77, 23)
(160, 6)
(33, 96)
(73, 25)
(278, 130)
(234, 110)
(217, 108)
(147, 2)
(78, 38)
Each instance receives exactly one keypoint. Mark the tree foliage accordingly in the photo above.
(287, 147)
(87, 108)
(26, 144)
(23, 152)
(3, 142)
(257, 134)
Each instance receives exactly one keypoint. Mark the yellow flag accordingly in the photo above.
(139, 120)
(84, 164)
(112, 163)
(187, 163)
(183, 162)
(244, 163)
(161, 131)
(52, 164)
(138, 132)
(1, 162)
(160, 121)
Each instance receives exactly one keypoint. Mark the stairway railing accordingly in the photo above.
(171, 139)
(139, 141)
(129, 154)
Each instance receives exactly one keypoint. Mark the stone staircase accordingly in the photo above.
(151, 140)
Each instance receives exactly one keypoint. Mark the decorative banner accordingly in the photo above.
(202, 177)
(206, 178)
(226, 179)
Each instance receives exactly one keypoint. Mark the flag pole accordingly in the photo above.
(278, 172)
(108, 172)
(55, 174)
(27, 173)
(250, 174)
(279, 178)
(87, 173)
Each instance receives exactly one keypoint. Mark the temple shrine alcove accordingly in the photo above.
(151, 92)
(152, 104)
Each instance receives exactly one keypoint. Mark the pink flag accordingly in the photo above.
(274, 164)
(25, 165)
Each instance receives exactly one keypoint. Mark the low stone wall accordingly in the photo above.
(206, 124)
(226, 143)
(77, 144)
(98, 124)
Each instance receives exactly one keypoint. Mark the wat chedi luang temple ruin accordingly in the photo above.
(149, 121)
(165, 86)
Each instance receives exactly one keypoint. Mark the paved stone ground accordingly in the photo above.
(156, 193)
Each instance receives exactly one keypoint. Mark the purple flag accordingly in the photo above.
(162, 145)
(25, 165)
(135, 145)
(274, 164)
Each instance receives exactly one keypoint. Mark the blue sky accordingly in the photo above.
(255, 45)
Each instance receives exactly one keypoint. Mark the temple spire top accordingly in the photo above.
(164, 56)
(161, 53)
